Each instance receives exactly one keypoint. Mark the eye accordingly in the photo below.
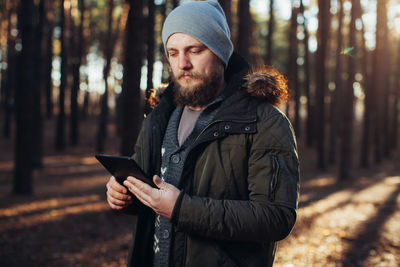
(172, 54)
(196, 51)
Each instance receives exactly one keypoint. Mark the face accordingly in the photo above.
(198, 74)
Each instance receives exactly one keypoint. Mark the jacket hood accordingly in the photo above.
(264, 83)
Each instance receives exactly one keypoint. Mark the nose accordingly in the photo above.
(184, 62)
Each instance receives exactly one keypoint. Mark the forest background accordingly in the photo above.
(75, 80)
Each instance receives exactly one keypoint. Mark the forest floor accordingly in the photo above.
(66, 222)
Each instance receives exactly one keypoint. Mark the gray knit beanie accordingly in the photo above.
(203, 20)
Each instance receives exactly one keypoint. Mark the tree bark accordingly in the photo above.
(227, 7)
(243, 40)
(85, 106)
(8, 82)
(150, 52)
(293, 69)
(49, 58)
(268, 55)
(131, 110)
(368, 108)
(386, 84)
(396, 102)
(37, 106)
(76, 63)
(5, 18)
(24, 101)
(102, 132)
(336, 95)
(165, 72)
(307, 81)
(379, 79)
(65, 27)
(322, 36)
(347, 109)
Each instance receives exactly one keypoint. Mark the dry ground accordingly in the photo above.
(68, 223)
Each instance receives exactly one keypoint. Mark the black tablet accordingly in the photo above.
(121, 167)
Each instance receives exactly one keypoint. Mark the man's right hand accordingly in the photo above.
(117, 195)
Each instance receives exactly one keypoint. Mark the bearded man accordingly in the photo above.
(223, 157)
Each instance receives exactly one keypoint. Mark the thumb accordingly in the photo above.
(159, 182)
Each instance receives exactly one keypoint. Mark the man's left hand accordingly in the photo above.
(161, 200)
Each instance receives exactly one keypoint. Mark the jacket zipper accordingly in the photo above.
(191, 189)
(274, 179)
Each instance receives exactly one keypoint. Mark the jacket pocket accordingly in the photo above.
(273, 184)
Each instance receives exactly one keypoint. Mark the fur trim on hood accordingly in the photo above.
(155, 95)
(267, 83)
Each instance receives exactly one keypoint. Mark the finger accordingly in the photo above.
(117, 186)
(141, 190)
(113, 206)
(138, 194)
(116, 201)
(143, 187)
(118, 195)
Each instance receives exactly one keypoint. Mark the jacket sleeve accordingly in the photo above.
(270, 212)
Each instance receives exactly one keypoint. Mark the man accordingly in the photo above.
(223, 157)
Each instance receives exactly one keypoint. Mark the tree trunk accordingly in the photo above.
(347, 109)
(77, 41)
(368, 108)
(150, 52)
(85, 106)
(131, 110)
(165, 72)
(396, 102)
(227, 7)
(243, 40)
(5, 18)
(65, 27)
(109, 47)
(49, 58)
(8, 82)
(24, 101)
(292, 68)
(379, 79)
(102, 132)
(322, 36)
(85, 46)
(336, 95)
(385, 85)
(37, 88)
(268, 55)
(307, 81)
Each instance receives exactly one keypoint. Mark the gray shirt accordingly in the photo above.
(186, 125)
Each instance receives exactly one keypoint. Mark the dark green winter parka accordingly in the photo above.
(240, 183)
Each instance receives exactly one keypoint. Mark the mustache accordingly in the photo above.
(188, 73)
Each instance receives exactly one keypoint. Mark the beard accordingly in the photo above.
(202, 93)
